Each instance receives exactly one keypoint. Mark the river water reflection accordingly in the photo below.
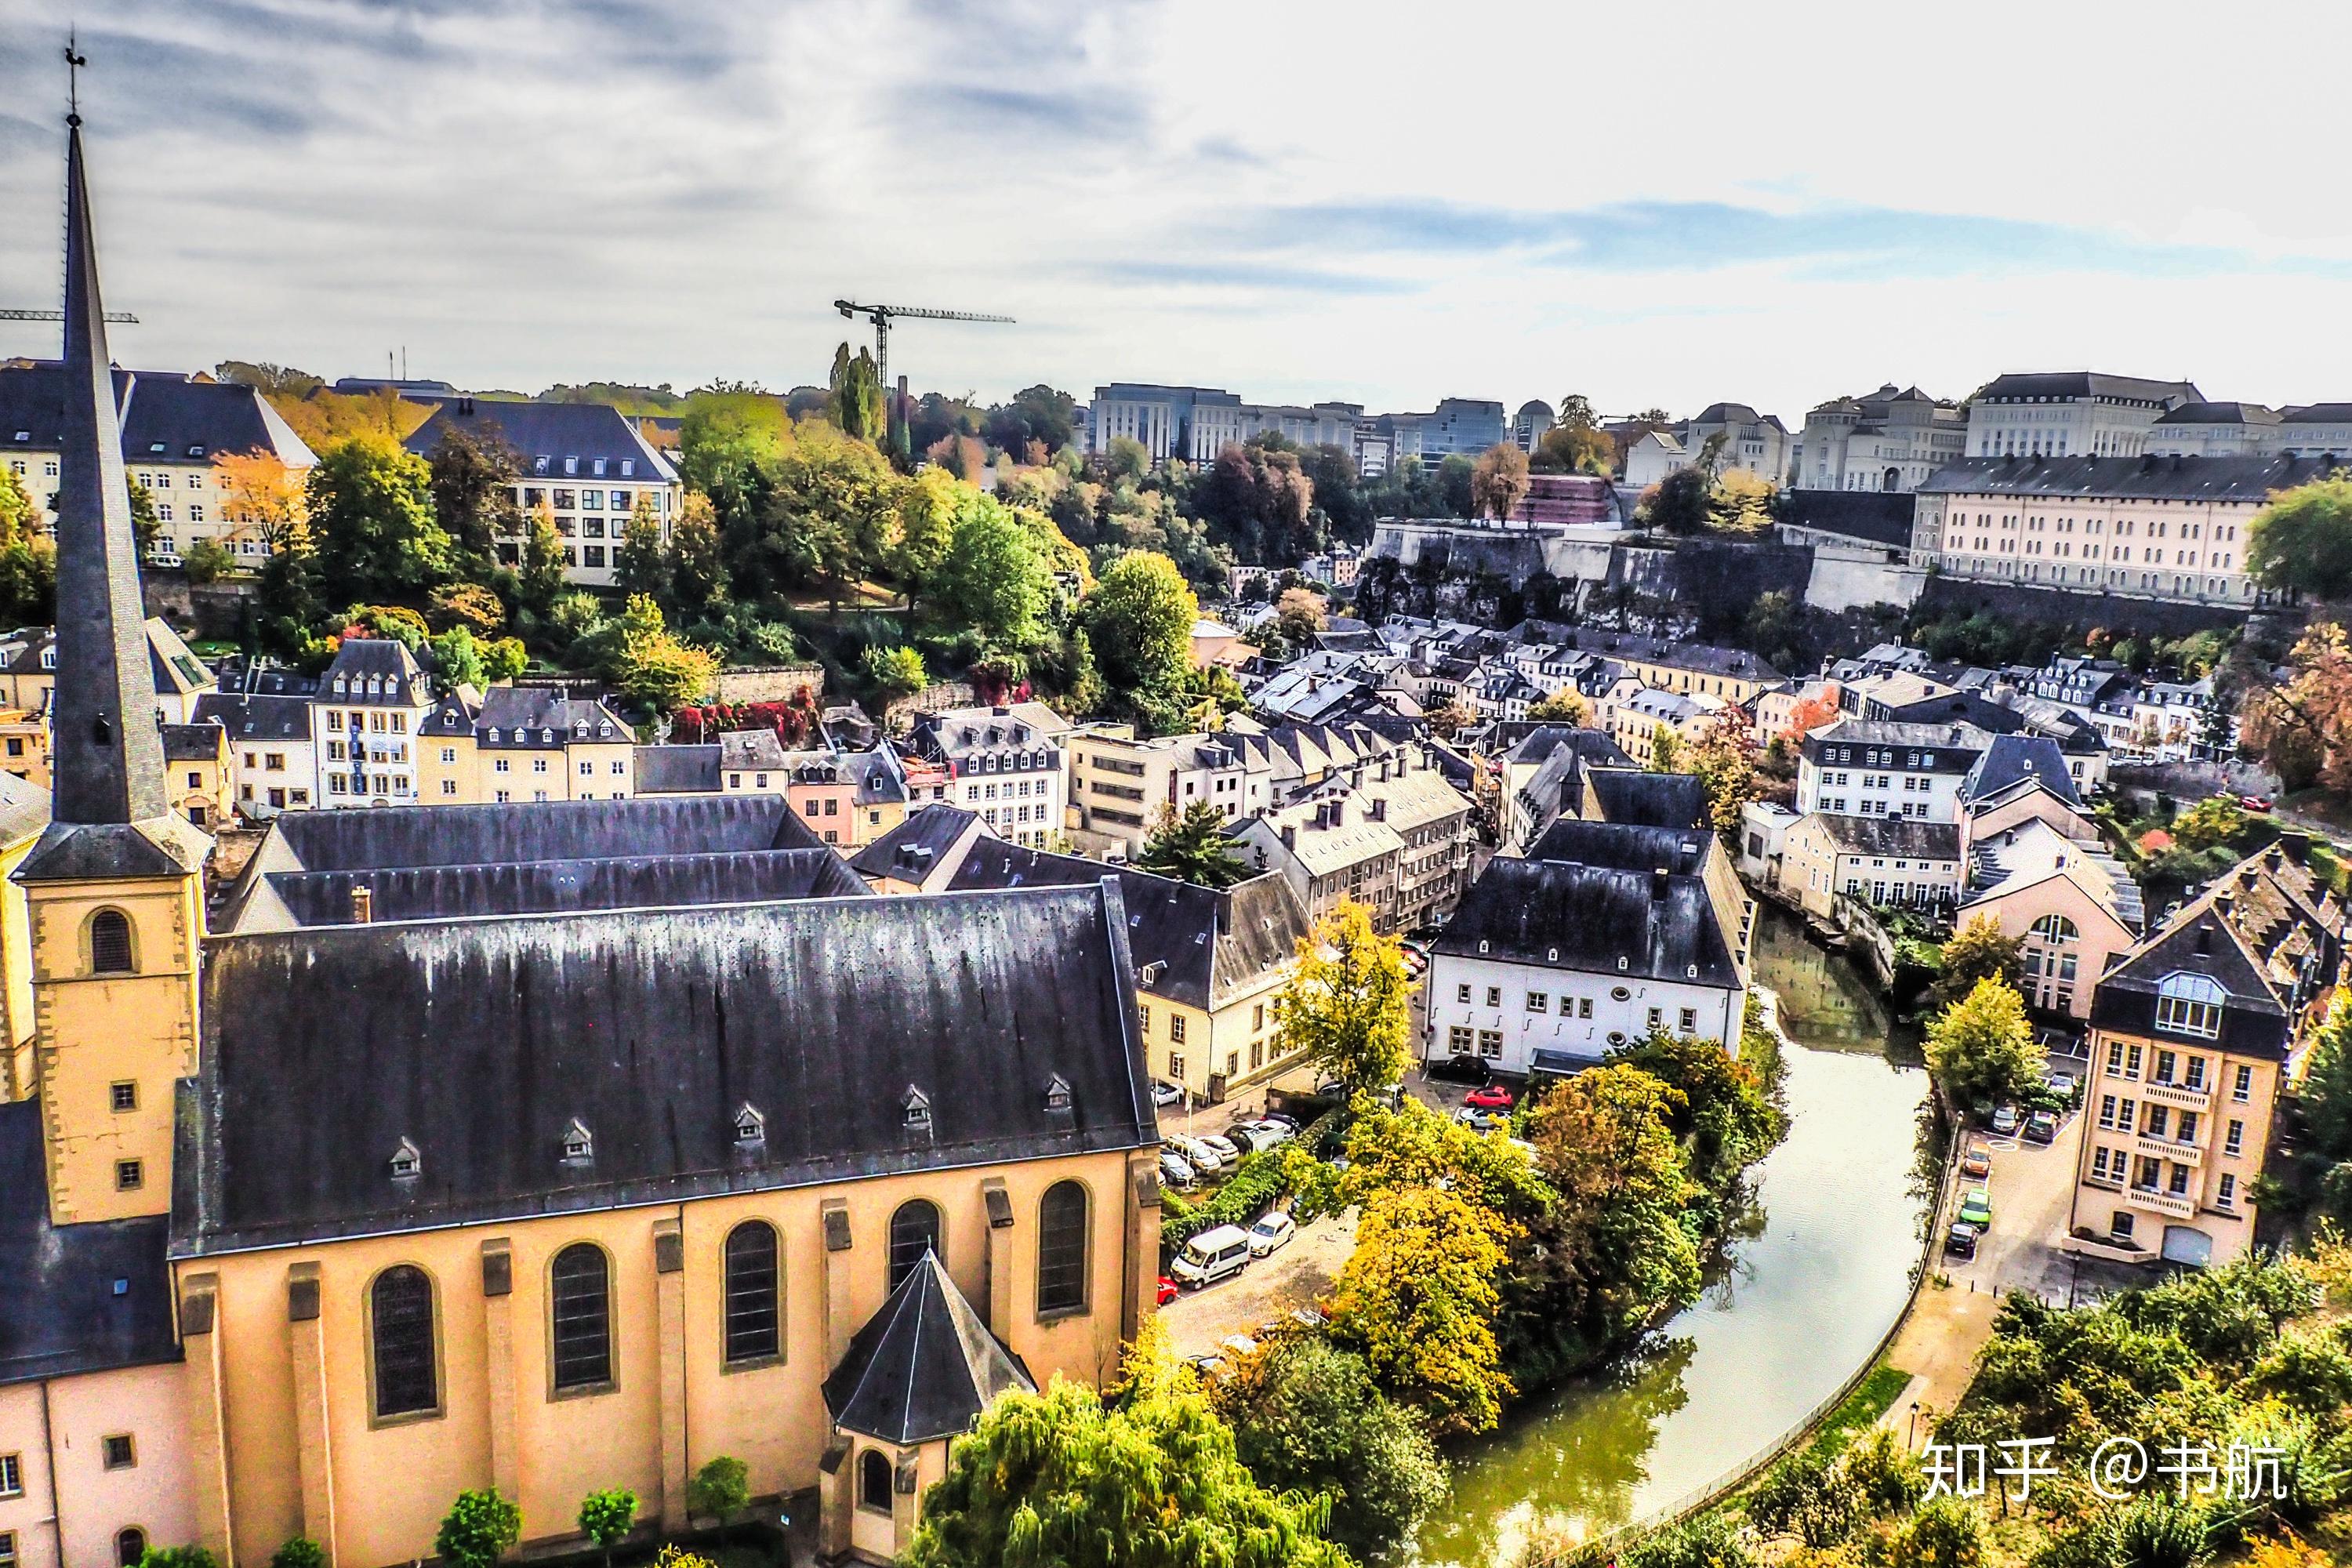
(1791, 1312)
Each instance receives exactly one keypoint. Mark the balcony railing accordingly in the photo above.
(2179, 1094)
(2160, 1203)
(2188, 1154)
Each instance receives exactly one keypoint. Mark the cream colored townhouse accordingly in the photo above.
(523, 744)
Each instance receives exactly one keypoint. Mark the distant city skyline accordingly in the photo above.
(1291, 206)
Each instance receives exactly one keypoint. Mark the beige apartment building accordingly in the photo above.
(522, 743)
(2190, 1037)
(2148, 527)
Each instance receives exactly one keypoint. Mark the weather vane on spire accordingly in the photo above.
(74, 62)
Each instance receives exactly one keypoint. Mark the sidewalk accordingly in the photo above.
(1937, 1346)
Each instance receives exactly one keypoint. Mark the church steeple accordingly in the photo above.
(108, 754)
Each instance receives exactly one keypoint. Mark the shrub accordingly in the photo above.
(606, 1517)
(208, 562)
(299, 1553)
(480, 1528)
(720, 1488)
(1256, 1182)
(178, 1557)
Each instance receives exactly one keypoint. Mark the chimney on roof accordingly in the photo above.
(1339, 811)
(2205, 934)
(1289, 836)
(1658, 885)
(1381, 809)
(362, 905)
(466, 405)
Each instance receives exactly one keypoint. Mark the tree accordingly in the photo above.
(1810, 714)
(206, 561)
(2302, 541)
(1724, 758)
(258, 494)
(1981, 1049)
(473, 482)
(1038, 413)
(897, 671)
(607, 1517)
(1576, 412)
(642, 561)
(299, 1551)
(1191, 846)
(720, 1488)
(541, 581)
(1060, 1479)
(652, 668)
(1946, 1533)
(1683, 502)
(1126, 459)
(2214, 821)
(1307, 1419)
(1450, 718)
(504, 659)
(1418, 1298)
(2323, 1103)
(266, 377)
(995, 578)
(928, 510)
(1583, 451)
(1499, 481)
(469, 604)
(177, 1557)
(1741, 501)
(1617, 1240)
(1977, 952)
(1566, 706)
(1665, 750)
(290, 597)
(370, 507)
(698, 573)
(856, 405)
(1345, 1004)
(458, 660)
(1140, 620)
(480, 1528)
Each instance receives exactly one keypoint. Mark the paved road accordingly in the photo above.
(1298, 1274)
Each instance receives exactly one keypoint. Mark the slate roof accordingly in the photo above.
(405, 838)
(964, 733)
(1194, 945)
(198, 742)
(553, 886)
(1699, 658)
(676, 770)
(1652, 799)
(1900, 836)
(1625, 847)
(552, 431)
(915, 845)
(2219, 413)
(1537, 740)
(1562, 915)
(480, 1042)
(255, 718)
(154, 407)
(2316, 414)
(64, 1316)
(1883, 517)
(514, 716)
(2013, 760)
(23, 809)
(401, 679)
(2249, 479)
(924, 1366)
(2046, 386)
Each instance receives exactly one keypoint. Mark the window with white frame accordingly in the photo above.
(2191, 1004)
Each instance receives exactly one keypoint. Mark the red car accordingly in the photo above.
(1167, 1290)
(2254, 802)
(1492, 1097)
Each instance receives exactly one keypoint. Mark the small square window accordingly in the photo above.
(124, 1096)
(130, 1175)
(119, 1452)
(12, 1476)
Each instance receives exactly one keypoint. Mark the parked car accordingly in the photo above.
(2257, 803)
(1226, 1150)
(1976, 1208)
(1164, 1093)
(1479, 1119)
(1492, 1097)
(1977, 1161)
(1960, 1241)
(2042, 1127)
(1271, 1232)
(1332, 1088)
(1211, 1256)
(1167, 1290)
(1175, 1171)
(1459, 1068)
(2004, 1119)
(1259, 1136)
(1199, 1155)
(2061, 1084)
(1279, 1120)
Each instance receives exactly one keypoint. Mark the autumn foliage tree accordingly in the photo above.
(1417, 1300)
(1346, 1005)
(1500, 482)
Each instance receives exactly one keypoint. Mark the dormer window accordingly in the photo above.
(196, 451)
(538, 464)
(155, 445)
(599, 468)
(750, 1127)
(339, 686)
(406, 1163)
(2191, 1004)
(571, 465)
(547, 734)
(1058, 1093)
(915, 1110)
(580, 728)
(579, 1147)
(494, 735)
(628, 467)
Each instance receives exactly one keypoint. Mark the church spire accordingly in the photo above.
(106, 752)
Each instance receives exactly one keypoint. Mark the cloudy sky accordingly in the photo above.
(1387, 204)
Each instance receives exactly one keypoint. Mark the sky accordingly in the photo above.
(1382, 203)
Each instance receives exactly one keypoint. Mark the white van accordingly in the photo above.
(1211, 1256)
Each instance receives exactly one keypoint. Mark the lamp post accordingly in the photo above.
(1911, 1436)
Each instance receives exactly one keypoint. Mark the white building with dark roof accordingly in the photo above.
(371, 708)
(1887, 440)
(2070, 414)
(1010, 763)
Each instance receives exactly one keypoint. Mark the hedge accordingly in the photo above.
(1255, 1183)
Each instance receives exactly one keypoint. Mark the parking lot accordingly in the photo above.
(2032, 1188)
(1299, 1275)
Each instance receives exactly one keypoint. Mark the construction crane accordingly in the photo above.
(883, 315)
(124, 317)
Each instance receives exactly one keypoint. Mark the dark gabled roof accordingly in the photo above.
(2149, 477)
(1700, 658)
(1903, 835)
(552, 430)
(480, 1042)
(1953, 744)
(1648, 799)
(1883, 517)
(2012, 760)
(255, 718)
(923, 1367)
(2270, 933)
(64, 1315)
(401, 678)
(752, 749)
(2045, 387)
(165, 846)
(1625, 847)
(676, 770)
(2318, 413)
(2219, 413)
(197, 742)
(154, 407)
(554, 886)
(1587, 916)
(1194, 945)
(909, 851)
(23, 809)
(1524, 741)
(373, 838)
(546, 716)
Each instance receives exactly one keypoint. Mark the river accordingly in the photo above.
(1820, 1273)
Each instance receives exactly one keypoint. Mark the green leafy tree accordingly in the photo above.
(458, 660)
(2303, 540)
(827, 512)
(2214, 821)
(1307, 1419)
(541, 581)
(698, 567)
(1140, 620)
(606, 1518)
(504, 659)
(1126, 459)
(299, 1551)
(995, 579)
(471, 476)
(1728, 1119)
(1566, 706)
(1665, 750)
(895, 670)
(371, 512)
(1946, 1533)
(1977, 952)
(651, 667)
(208, 561)
(1981, 1049)
(1347, 1003)
(177, 1557)
(1683, 502)
(1499, 481)
(469, 604)
(480, 1528)
(719, 1489)
(857, 407)
(1191, 846)
(1061, 1478)
(291, 598)
(928, 510)
(1418, 1300)
(642, 561)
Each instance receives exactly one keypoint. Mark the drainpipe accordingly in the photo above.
(49, 1447)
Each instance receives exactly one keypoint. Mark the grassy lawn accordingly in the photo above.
(1871, 1399)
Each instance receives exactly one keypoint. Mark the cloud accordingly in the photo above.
(1211, 273)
